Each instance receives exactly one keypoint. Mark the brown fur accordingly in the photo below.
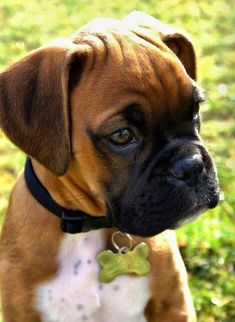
(41, 116)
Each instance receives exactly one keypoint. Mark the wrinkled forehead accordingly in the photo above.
(123, 65)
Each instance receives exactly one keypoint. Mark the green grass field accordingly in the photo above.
(208, 244)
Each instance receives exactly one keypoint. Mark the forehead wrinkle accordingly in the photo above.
(113, 45)
(139, 65)
(115, 52)
(127, 62)
(99, 48)
(105, 49)
(128, 52)
(107, 44)
(149, 39)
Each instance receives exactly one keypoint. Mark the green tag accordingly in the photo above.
(124, 262)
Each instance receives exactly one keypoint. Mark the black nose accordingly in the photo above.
(188, 169)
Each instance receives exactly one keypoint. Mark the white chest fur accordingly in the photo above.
(75, 293)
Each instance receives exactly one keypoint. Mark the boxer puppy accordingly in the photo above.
(110, 120)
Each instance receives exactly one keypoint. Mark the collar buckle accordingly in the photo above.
(71, 224)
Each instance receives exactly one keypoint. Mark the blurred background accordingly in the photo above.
(208, 244)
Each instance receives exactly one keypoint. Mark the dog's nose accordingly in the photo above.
(188, 169)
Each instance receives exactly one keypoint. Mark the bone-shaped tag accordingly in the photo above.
(133, 261)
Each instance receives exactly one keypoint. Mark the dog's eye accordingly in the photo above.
(121, 137)
(196, 117)
(195, 111)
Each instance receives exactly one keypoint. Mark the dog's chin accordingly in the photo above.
(150, 213)
(150, 228)
(189, 218)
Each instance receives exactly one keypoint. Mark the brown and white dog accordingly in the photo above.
(110, 121)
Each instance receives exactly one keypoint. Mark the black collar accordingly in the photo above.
(72, 221)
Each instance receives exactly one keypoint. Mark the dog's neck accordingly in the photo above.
(70, 192)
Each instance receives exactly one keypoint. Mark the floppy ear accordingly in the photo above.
(34, 104)
(145, 25)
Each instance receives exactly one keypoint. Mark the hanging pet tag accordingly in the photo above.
(127, 260)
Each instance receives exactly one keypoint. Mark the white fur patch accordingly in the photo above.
(75, 294)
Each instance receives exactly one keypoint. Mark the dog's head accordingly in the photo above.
(118, 104)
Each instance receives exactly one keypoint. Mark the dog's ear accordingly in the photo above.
(34, 103)
(149, 27)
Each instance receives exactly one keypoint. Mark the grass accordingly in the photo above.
(207, 245)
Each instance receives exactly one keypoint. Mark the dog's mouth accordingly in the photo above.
(153, 211)
(194, 214)
(147, 227)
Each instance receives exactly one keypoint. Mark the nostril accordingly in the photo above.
(187, 170)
